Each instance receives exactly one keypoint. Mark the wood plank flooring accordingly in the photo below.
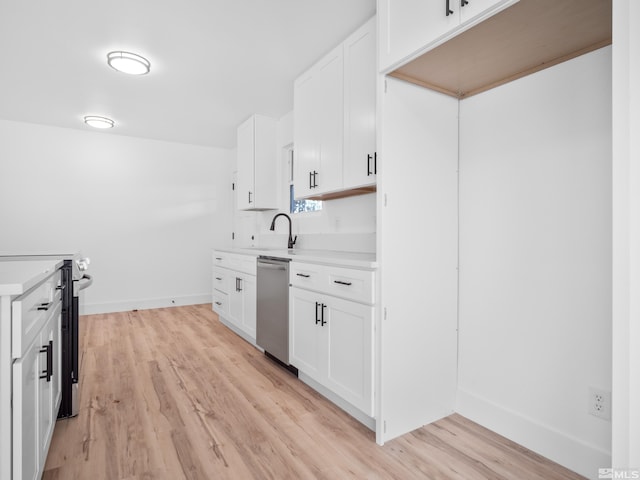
(173, 394)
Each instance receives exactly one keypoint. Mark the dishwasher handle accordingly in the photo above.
(271, 266)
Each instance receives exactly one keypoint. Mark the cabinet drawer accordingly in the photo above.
(347, 283)
(220, 303)
(351, 284)
(307, 275)
(221, 279)
(32, 310)
(235, 261)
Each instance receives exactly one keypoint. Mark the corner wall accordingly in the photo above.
(146, 212)
(535, 260)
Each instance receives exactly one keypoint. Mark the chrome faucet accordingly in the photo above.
(292, 241)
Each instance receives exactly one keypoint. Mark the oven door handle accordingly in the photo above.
(83, 285)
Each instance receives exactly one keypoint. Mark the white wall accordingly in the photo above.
(535, 259)
(146, 212)
(626, 235)
(343, 224)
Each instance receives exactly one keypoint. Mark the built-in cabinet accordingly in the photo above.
(410, 26)
(234, 291)
(331, 335)
(334, 120)
(257, 180)
(33, 342)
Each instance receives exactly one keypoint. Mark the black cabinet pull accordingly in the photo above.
(219, 258)
(322, 320)
(313, 175)
(310, 184)
(219, 304)
(340, 282)
(44, 306)
(303, 275)
(48, 372)
(238, 284)
(449, 11)
(317, 317)
(375, 163)
(249, 197)
(464, 2)
(218, 278)
(369, 158)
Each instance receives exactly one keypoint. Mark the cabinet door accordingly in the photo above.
(248, 286)
(360, 107)
(306, 142)
(236, 301)
(245, 191)
(304, 345)
(406, 26)
(349, 336)
(27, 393)
(266, 166)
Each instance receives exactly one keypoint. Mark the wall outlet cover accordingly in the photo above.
(599, 403)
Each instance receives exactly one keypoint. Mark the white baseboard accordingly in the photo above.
(367, 421)
(564, 449)
(143, 304)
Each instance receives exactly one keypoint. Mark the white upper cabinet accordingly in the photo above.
(334, 119)
(360, 158)
(411, 26)
(318, 127)
(257, 185)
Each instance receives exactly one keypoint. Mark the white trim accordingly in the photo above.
(545, 440)
(143, 304)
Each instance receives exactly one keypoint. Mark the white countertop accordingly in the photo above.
(346, 259)
(16, 277)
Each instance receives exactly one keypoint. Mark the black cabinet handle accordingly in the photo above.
(219, 304)
(310, 184)
(238, 284)
(48, 372)
(249, 197)
(44, 306)
(369, 158)
(340, 282)
(219, 258)
(375, 163)
(322, 320)
(303, 275)
(218, 278)
(449, 11)
(464, 2)
(314, 174)
(317, 317)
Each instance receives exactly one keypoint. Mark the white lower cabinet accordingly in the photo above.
(234, 291)
(36, 378)
(331, 341)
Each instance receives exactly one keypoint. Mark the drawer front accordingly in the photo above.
(221, 279)
(307, 275)
(235, 261)
(347, 283)
(351, 284)
(220, 303)
(32, 310)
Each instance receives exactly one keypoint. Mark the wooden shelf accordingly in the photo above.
(527, 37)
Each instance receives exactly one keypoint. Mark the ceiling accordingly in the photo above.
(213, 62)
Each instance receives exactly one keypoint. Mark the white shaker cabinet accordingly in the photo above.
(30, 361)
(331, 338)
(257, 184)
(411, 26)
(360, 157)
(318, 126)
(234, 292)
(335, 119)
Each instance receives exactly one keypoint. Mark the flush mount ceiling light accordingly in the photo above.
(128, 62)
(98, 122)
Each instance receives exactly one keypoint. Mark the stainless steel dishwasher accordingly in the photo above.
(272, 319)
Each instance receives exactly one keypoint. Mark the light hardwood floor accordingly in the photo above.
(173, 394)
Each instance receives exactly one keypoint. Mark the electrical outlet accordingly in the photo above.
(599, 403)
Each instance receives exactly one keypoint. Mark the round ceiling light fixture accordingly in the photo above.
(98, 122)
(128, 62)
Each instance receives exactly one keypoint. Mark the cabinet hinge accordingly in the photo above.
(233, 186)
